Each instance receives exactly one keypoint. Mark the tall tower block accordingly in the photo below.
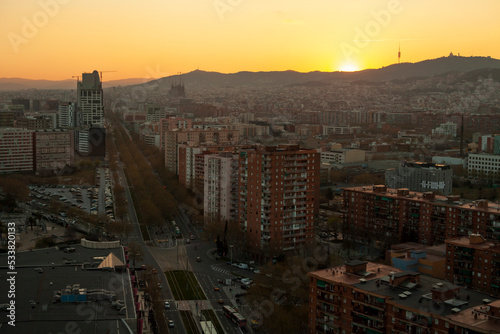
(399, 54)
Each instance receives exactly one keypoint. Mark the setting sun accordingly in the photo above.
(349, 67)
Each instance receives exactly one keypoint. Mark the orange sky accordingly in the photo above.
(56, 39)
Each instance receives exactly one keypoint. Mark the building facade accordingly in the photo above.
(220, 195)
(421, 176)
(16, 150)
(195, 137)
(481, 164)
(378, 216)
(54, 149)
(90, 100)
(365, 297)
(279, 193)
(67, 115)
(342, 156)
(474, 262)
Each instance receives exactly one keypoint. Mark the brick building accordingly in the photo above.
(279, 197)
(475, 262)
(194, 137)
(365, 297)
(379, 216)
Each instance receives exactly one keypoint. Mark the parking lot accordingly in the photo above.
(93, 200)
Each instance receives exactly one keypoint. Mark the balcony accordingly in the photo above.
(378, 305)
(321, 329)
(366, 325)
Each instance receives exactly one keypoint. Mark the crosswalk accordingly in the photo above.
(215, 268)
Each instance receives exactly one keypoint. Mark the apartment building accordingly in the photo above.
(186, 164)
(365, 297)
(16, 150)
(378, 216)
(220, 195)
(474, 262)
(195, 137)
(279, 193)
(54, 149)
(171, 123)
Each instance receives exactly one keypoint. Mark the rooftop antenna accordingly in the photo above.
(399, 53)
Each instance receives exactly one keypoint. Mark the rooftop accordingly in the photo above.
(37, 280)
(451, 201)
(419, 296)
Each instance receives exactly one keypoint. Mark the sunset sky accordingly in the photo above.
(56, 39)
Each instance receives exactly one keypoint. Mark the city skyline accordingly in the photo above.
(57, 39)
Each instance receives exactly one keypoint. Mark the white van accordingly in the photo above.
(243, 266)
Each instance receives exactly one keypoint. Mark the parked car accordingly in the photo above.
(167, 305)
(171, 323)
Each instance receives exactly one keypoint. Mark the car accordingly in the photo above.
(216, 288)
(192, 237)
(198, 259)
(188, 241)
(171, 323)
(167, 305)
(220, 301)
(154, 271)
(160, 286)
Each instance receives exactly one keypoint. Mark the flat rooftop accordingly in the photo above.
(421, 298)
(40, 286)
(338, 274)
(491, 207)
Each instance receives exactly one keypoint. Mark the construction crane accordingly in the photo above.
(101, 72)
(77, 77)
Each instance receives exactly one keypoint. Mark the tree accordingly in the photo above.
(135, 251)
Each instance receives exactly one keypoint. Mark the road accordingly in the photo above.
(148, 259)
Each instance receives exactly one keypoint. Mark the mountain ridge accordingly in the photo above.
(204, 79)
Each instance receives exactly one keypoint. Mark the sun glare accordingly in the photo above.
(349, 67)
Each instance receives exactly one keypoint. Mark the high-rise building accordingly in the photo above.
(90, 136)
(365, 297)
(90, 100)
(421, 176)
(377, 216)
(67, 115)
(220, 200)
(279, 196)
(16, 150)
